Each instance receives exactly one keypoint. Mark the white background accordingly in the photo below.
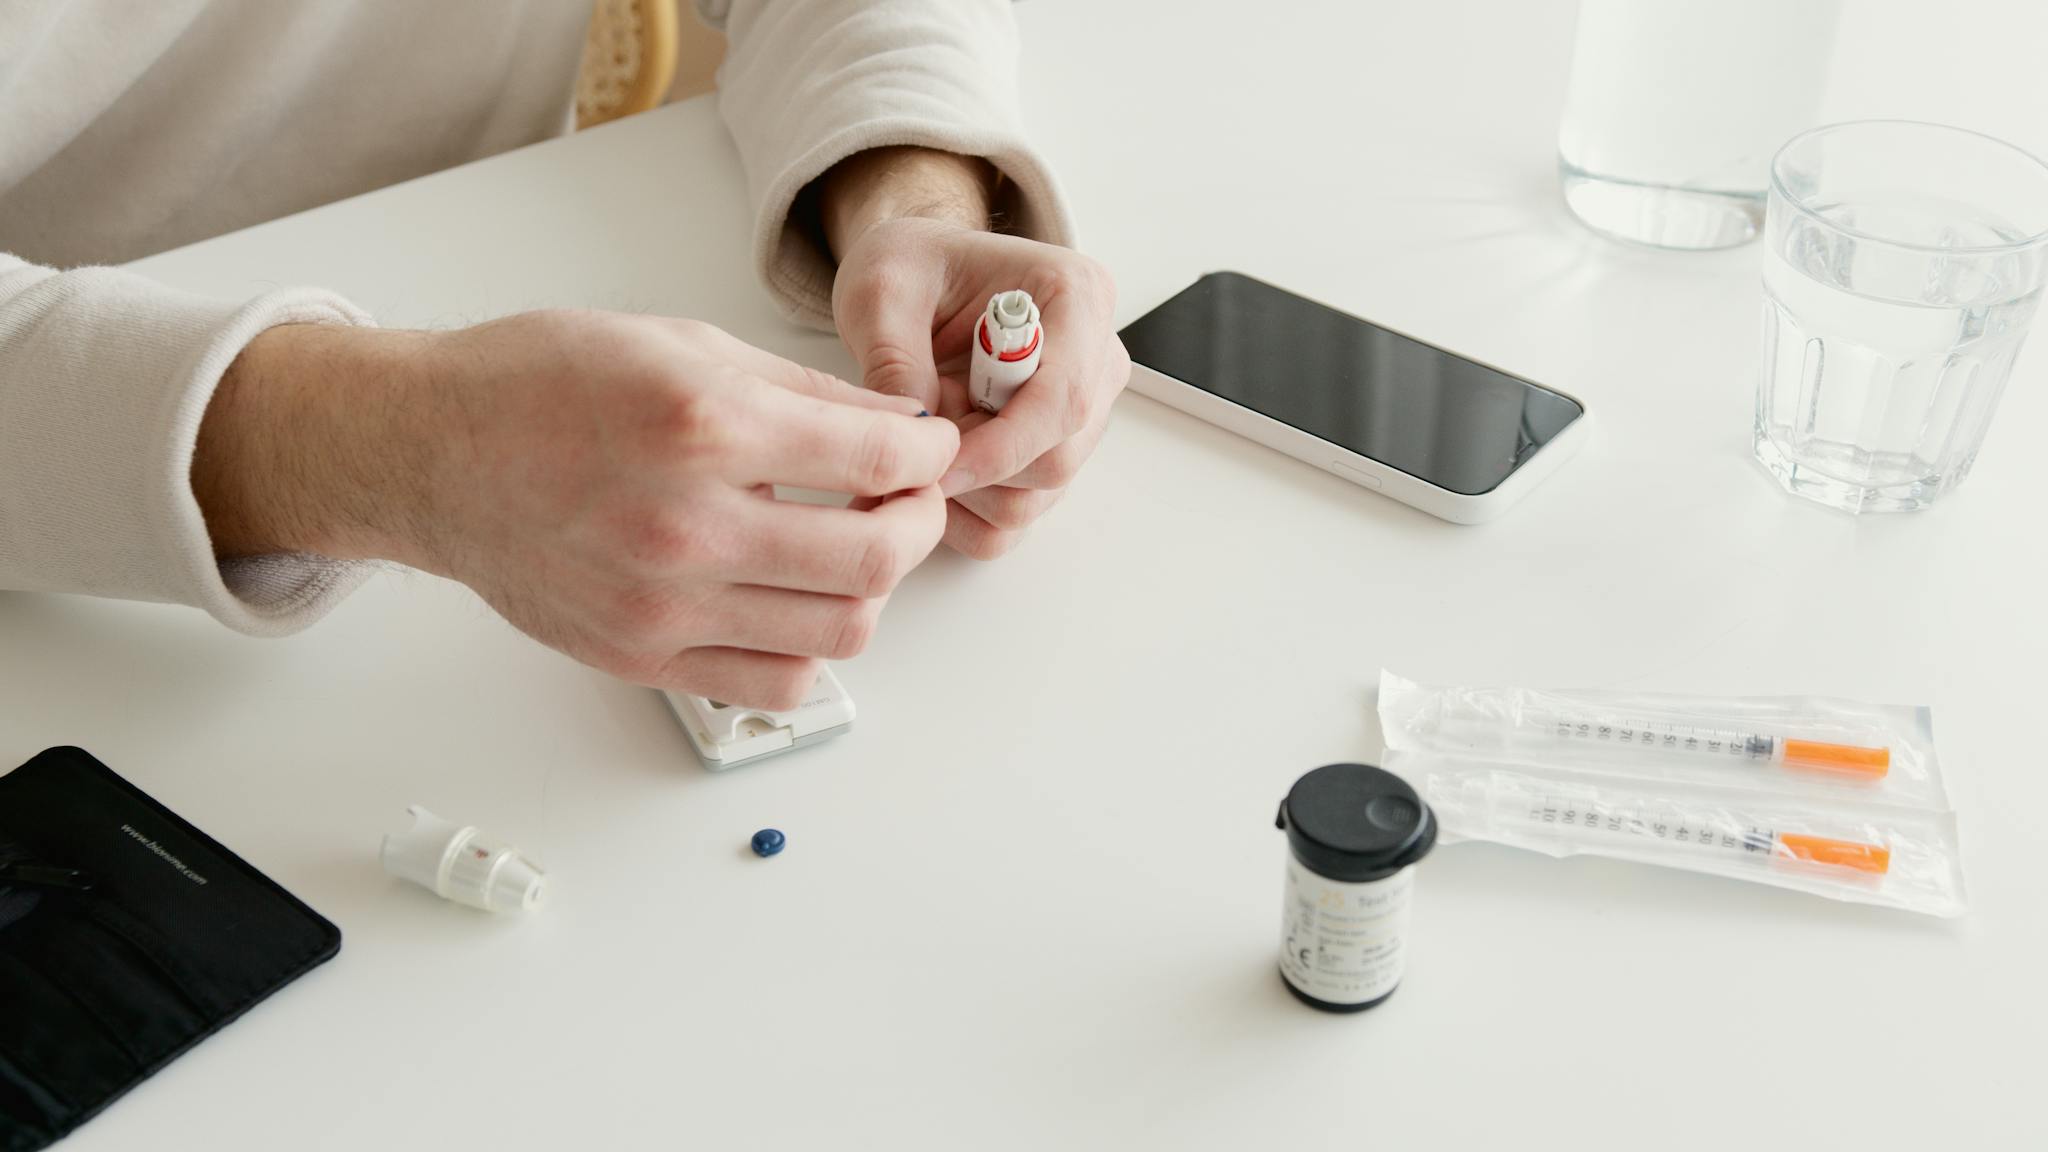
(1033, 900)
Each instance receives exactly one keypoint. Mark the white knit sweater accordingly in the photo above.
(129, 128)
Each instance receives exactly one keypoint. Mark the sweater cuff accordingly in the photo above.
(797, 269)
(808, 83)
(111, 376)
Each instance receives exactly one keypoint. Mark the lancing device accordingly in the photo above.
(1007, 341)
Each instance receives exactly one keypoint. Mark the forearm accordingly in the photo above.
(305, 445)
(827, 89)
(105, 378)
(893, 183)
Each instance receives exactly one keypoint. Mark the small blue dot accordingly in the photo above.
(767, 842)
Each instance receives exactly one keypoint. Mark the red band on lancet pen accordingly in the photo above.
(1008, 357)
(1022, 353)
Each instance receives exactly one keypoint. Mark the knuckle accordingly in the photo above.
(1119, 363)
(659, 541)
(822, 383)
(851, 631)
(890, 369)
(1079, 405)
(683, 415)
(1010, 508)
(653, 542)
(977, 539)
(1083, 277)
(1071, 277)
(877, 460)
(989, 543)
(1103, 281)
(1058, 467)
(877, 566)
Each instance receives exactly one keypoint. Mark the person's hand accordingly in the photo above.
(915, 273)
(603, 481)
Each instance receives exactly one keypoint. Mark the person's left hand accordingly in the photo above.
(906, 299)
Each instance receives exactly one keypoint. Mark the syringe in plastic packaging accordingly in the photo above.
(1702, 741)
(1662, 825)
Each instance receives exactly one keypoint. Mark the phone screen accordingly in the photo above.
(1439, 417)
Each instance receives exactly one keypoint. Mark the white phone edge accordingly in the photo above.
(1456, 507)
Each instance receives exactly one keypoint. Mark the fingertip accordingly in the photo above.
(938, 444)
(943, 429)
(930, 492)
(993, 451)
(933, 503)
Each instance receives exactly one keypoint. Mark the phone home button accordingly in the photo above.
(1355, 475)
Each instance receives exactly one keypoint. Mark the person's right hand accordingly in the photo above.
(604, 481)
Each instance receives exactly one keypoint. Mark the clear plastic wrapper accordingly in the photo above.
(1784, 744)
(1834, 797)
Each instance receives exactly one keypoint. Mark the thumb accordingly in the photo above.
(890, 336)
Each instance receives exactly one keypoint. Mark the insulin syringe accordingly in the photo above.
(1678, 828)
(1692, 740)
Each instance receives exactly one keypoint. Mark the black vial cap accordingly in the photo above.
(1355, 822)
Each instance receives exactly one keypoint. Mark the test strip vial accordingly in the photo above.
(1354, 835)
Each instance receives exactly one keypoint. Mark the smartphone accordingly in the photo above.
(1456, 438)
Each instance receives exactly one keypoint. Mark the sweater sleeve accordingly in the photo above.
(807, 83)
(104, 377)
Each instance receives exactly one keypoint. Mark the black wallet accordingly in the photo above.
(126, 937)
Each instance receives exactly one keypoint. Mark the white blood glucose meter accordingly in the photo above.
(726, 736)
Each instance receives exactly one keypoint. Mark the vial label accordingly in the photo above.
(1344, 943)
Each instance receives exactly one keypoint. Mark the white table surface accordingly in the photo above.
(1033, 901)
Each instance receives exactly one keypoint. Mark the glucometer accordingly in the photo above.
(727, 736)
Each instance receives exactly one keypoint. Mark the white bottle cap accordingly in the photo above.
(461, 864)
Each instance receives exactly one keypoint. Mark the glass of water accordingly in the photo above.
(1903, 264)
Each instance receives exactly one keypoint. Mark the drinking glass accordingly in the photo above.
(1903, 264)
